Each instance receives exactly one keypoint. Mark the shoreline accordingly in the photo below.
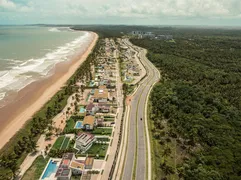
(31, 98)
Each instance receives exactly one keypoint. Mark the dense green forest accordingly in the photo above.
(197, 104)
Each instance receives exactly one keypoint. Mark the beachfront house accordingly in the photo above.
(89, 161)
(91, 109)
(84, 141)
(100, 121)
(89, 122)
(101, 94)
(104, 108)
(77, 166)
(64, 172)
(69, 166)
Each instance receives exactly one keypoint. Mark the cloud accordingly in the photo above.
(6, 4)
(172, 8)
(122, 9)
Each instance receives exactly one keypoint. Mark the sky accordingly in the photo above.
(131, 12)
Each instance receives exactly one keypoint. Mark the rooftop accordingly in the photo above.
(89, 161)
(90, 106)
(76, 164)
(89, 120)
(102, 87)
(101, 93)
(85, 138)
(63, 170)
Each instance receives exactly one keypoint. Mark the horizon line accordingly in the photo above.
(152, 25)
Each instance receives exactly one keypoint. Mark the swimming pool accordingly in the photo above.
(78, 125)
(92, 84)
(51, 169)
(82, 110)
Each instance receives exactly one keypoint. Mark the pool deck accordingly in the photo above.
(52, 176)
(75, 126)
(82, 110)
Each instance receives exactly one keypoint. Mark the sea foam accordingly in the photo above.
(60, 29)
(2, 95)
(54, 30)
(23, 73)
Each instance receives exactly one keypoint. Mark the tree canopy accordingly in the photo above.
(200, 99)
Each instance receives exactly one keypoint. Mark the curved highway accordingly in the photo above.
(135, 166)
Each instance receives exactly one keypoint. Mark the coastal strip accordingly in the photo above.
(34, 96)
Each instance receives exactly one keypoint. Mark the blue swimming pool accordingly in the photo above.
(82, 110)
(78, 125)
(92, 84)
(51, 169)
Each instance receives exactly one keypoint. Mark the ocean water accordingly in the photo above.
(28, 53)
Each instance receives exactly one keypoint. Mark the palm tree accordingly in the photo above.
(33, 145)
(167, 151)
(166, 168)
(49, 112)
(82, 88)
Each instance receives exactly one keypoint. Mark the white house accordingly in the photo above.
(84, 141)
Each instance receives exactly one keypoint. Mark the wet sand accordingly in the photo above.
(31, 98)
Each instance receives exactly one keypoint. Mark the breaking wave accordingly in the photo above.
(25, 72)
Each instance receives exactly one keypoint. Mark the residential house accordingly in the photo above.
(64, 172)
(71, 166)
(100, 121)
(103, 108)
(89, 122)
(77, 166)
(91, 109)
(104, 82)
(101, 94)
(84, 141)
(89, 161)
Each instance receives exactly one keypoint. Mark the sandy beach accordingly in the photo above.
(31, 98)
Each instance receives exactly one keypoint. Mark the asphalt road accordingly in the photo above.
(137, 126)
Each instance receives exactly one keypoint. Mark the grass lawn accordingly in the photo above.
(109, 116)
(58, 142)
(109, 119)
(130, 89)
(103, 139)
(102, 131)
(35, 171)
(98, 149)
(75, 177)
(69, 128)
(65, 143)
(70, 125)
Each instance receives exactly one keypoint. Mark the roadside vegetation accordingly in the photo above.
(196, 108)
